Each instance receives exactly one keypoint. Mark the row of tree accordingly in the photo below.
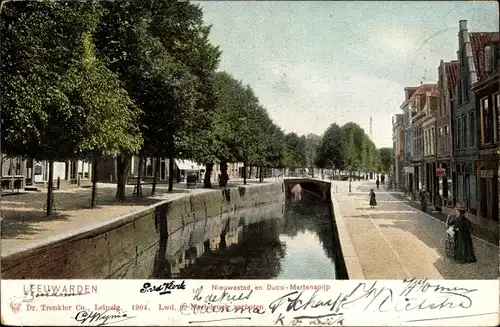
(348, 148)
(87, 79)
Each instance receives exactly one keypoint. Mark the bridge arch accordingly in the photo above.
(316, 186)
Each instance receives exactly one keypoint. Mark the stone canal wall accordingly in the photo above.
(116, 245)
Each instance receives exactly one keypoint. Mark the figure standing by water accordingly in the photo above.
(464, 251)
(373, 200)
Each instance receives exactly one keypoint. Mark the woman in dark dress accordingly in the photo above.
(373, 201)
(464, 251)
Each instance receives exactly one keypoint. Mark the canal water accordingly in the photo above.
(291, 240)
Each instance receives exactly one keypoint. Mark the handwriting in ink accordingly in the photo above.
(222, 297)
(373, 297)
(102, 318)
(295, 302)
(321, 320)
(423, 285)
(165, 288)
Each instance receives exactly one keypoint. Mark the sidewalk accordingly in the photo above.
(481, 232)
(395, 240)
(23, 219)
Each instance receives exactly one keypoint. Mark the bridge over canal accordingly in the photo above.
(317, 186)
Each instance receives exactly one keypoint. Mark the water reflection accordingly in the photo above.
(292, 241)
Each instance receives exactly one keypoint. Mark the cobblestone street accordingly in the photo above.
(395, 241)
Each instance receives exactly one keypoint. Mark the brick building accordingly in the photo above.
(464, 124)
(447, 73)
(485, 47)
(422, 104)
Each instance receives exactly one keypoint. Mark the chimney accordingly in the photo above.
(463, 25)
(409, 91)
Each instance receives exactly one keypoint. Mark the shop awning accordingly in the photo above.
(186, 165)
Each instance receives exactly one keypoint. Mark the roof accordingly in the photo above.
(187, 165)
(451, 71)
(423, 89)
(478, 40)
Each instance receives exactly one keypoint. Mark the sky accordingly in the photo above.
(315, 63)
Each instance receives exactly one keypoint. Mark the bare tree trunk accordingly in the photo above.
(155, 175)
(208, 174)
(170, 173)
(50, 189)
(138, 185)
(250, 172)
(122, 170)
(245, 173)
(261, 175)
(95, 162)
(257, 169)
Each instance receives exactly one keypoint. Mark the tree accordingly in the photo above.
(294, 154)
(110, 126)
(312, 145)
(161, 53)
(386, 158)
(39, 119)
(329, 153)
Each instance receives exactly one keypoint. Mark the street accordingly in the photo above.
(395, 241)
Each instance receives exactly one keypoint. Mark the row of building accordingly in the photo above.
(447, 137)
(19, 174)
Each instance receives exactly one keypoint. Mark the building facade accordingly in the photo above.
(408, 169)
(487, 102)
(464, 124)
(429, 137)
(13, 172)
(421, 103)
(447, 74)
(398, 150)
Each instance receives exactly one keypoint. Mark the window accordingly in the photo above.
(466, 88)
(447, 138)
(486, 120)
(465, 131)
(497, 109)
(472, 129)
(459, 133)
(433, 140)
(459, 92)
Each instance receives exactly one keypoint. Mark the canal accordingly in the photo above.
(290, 240)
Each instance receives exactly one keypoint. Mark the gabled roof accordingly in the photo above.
(451, 71)
(478, 40)
(424, 88)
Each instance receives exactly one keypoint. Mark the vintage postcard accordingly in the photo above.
(250, 163)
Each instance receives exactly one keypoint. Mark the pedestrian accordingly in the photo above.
(378, 183)
(438, 202)
(423, 200)
(464, 251)
(373, 200)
